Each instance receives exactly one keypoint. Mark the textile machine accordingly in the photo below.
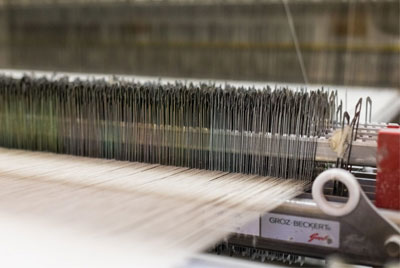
(351, 210)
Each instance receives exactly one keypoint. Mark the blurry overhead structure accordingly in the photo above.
(240, 40)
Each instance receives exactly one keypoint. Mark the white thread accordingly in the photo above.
(172, 210)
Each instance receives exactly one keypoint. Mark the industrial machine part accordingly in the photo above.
(388, 158)
(328, 138)
(356, 230)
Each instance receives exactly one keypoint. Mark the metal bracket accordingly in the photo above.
(368, 236)
(368, 233)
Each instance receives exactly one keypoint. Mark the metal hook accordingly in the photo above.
(356, 119)
(368, 104)
(339, 110)
(346, 116)
(358, 108)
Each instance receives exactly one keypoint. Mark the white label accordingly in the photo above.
(301, 230)
(242, 225)
(250, 228)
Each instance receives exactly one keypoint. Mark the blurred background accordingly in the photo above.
(342, 42)
(326, 42)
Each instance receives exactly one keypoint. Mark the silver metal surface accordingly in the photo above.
(363, 152)
(309, 207)
(212, 261)
(363, 233)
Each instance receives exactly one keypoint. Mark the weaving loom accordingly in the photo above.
(177, 168)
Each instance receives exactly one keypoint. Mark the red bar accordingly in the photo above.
(388, 163)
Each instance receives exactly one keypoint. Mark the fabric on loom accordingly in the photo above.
(153, 214)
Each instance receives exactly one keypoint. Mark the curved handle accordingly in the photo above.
(344, 177)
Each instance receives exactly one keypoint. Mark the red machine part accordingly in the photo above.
(388, 163)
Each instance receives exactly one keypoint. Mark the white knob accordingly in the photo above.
(344, 177)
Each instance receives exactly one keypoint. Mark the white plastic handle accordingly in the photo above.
(344, 177)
